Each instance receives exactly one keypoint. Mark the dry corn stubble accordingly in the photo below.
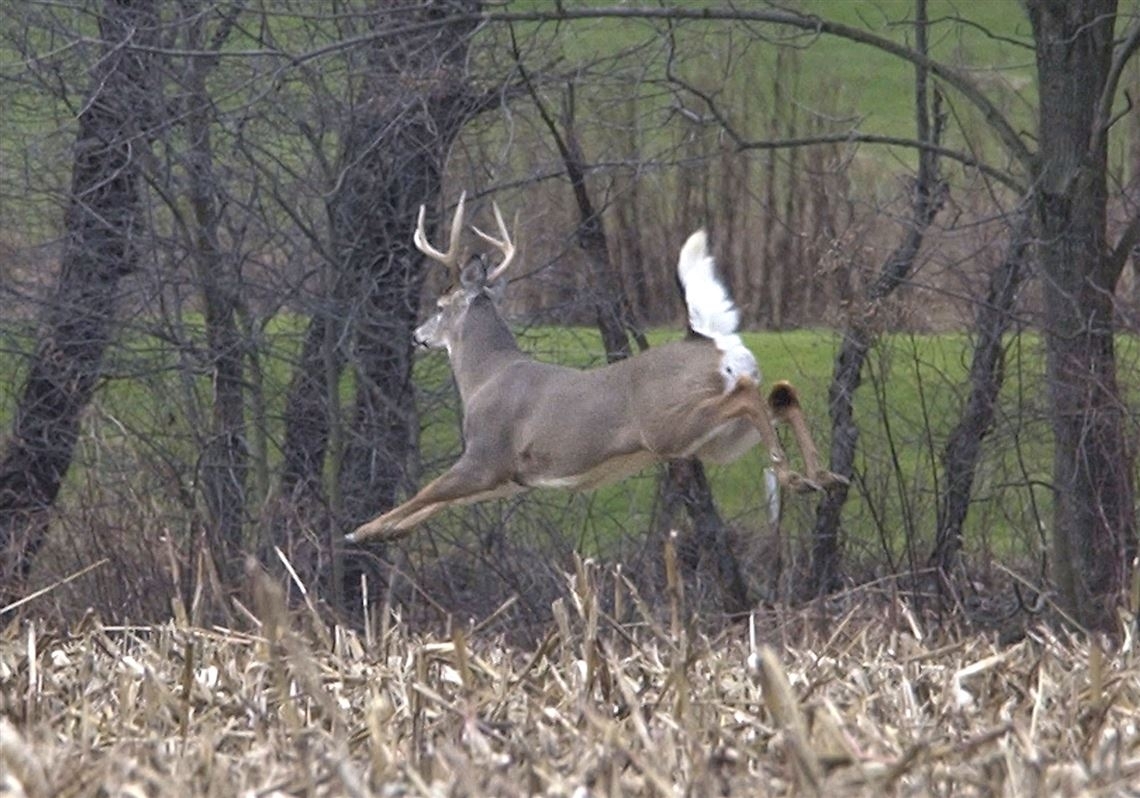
(654, 707)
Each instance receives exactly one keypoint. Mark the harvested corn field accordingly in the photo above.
(859, 702)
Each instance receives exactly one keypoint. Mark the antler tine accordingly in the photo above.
(450, 259)
(504, 244)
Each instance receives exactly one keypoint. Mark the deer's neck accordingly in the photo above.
(485, 345)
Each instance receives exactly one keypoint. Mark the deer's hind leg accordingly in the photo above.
(746, 402)
(785, 405)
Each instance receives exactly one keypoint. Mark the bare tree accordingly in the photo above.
(929, 194)
(963, 447)
(412, 100)
(101, 223)
(1079, 65)
(224, 460)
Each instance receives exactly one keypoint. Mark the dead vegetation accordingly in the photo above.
(855, 701)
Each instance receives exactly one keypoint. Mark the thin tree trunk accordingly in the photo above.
(611, 303)
(987, 372)
(306, 408)
(848, 374)
(631, 233)
(224, 462)
(101, 221)
(929, 195)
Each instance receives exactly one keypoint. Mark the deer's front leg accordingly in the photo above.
(785, 404)
(467, 481)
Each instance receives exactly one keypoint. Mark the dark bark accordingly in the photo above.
(684, 485)
(393, 144)
(825, 555)
(1094, 532)
(372, 215)
(224, 461)
(306, 406)
(987, 371)
(928, 198)
(607, 293)
(101, 220)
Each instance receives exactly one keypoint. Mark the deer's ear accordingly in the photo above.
(496, 290)
(474, 274)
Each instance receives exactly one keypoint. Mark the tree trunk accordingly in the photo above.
(372, 215)
(224, 461)
(987, 372)
(685, 485)
(929, 195)
(306, 406)
(393, 146)
(848, 374)
(101, 220)
(1094, 530)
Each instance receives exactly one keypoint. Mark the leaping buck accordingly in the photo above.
(528, 424)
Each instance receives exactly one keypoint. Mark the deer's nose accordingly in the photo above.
(425, 334)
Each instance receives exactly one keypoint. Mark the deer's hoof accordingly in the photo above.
(369, 532)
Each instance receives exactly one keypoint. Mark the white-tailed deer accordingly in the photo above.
(528, 424)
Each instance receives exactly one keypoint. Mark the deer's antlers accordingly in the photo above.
(503, 244)
(450, 259)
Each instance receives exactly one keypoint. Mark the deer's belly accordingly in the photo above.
(612, 470)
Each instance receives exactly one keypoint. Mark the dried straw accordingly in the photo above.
(855, 705)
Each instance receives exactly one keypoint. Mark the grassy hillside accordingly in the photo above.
(848, 84)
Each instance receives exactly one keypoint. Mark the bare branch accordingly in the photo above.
(1125, 245)
(1120, 59)
(922, 144)
(932, 147)
(776, 16)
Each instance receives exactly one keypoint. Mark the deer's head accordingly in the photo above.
(476, 282)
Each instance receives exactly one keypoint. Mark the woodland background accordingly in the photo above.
(927, 212)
